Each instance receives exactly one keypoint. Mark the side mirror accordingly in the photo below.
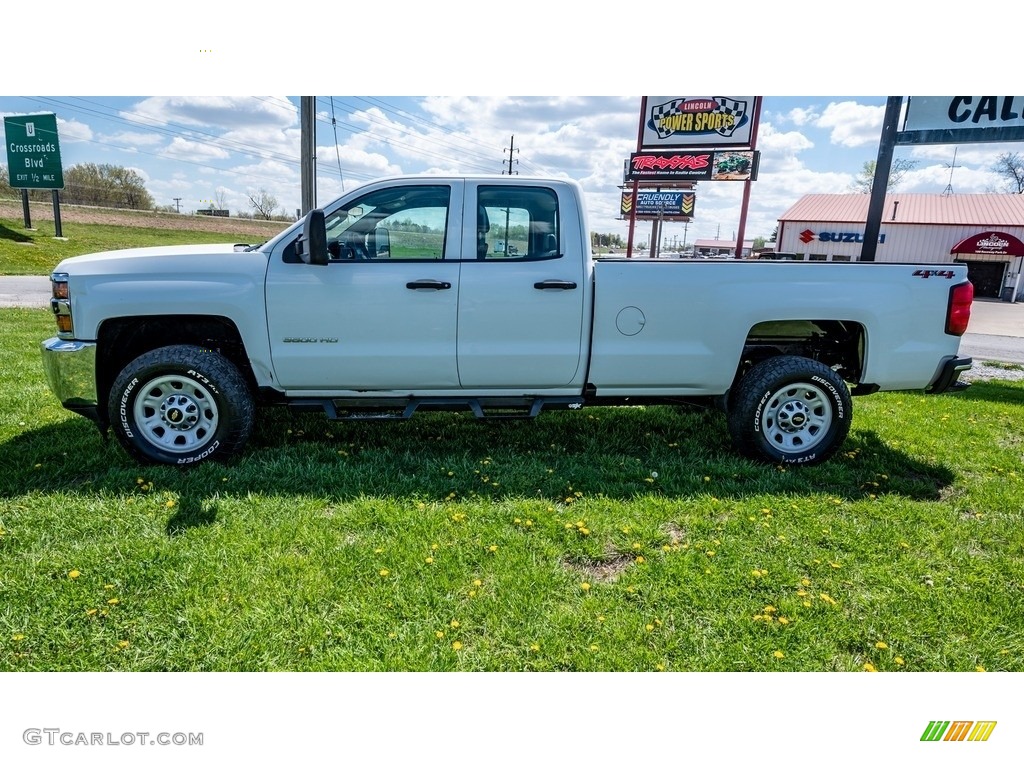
(382, 243)
(311, 246)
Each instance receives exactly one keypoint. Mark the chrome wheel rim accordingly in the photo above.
(797, 418)
(176, 414)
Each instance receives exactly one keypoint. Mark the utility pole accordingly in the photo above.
(511, 150)
(880, 184)
(177, 204)
(307, 149)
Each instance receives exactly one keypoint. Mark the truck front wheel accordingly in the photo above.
(790, 410)
(181, 405)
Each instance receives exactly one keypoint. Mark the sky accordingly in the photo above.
(194, 150)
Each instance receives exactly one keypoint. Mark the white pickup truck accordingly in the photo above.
(481, 293)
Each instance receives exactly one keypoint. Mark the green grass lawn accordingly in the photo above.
(610, 539)
(37, 252)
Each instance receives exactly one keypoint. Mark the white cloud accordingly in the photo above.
(183, 149)
(221, 112)
(852, 124)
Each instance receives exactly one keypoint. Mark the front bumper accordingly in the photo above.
(70, 368)
(949, 372)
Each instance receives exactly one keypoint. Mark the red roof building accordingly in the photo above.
(984, 231)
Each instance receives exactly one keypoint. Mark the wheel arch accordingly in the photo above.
(839, 344)
(122, 339)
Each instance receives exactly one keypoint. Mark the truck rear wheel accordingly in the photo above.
(181, 405)
(790, 410)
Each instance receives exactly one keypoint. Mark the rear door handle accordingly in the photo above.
(558, 285)
(431, 285)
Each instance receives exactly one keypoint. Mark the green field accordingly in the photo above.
(37, 251)
(610, 539)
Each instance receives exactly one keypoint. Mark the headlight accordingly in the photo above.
(61, 304)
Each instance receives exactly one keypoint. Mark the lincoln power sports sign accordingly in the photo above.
(698, 121)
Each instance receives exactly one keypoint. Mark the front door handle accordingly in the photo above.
(431, 285)
(559, 285)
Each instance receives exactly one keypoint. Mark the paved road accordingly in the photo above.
(24, 291)
(996, 331)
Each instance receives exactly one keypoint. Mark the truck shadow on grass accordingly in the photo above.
(614, 453)
(993, 391)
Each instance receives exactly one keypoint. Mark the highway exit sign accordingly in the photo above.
(33, 152)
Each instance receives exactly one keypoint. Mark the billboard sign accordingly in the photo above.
(664, 204)
(692, 166)
(698, 121)
(33, 152)
(962, 119)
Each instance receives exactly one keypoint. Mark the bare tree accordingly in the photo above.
(1010, 167)
(263, 203)
(865, 180)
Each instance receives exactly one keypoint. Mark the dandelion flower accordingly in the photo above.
(477, 583)
(456, 646)
(869, 667)
(113, 601)
(584, 586)
(881, 646)
(899, 661)
(783, 620)
(385, 572)
(779, 655)
(74, 574)
(649, 627)
(428, 560)
(492, 548)
(123, 644)
(640, 559)
(439, 634)
(979, 668)
(454, 624)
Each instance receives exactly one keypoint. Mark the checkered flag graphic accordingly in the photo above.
(660, 111)
(737, 109)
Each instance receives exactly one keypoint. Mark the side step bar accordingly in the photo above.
(404, 408)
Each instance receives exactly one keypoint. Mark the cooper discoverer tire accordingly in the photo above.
(181, 405)
(790, 410)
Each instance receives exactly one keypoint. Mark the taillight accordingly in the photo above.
(958, 314)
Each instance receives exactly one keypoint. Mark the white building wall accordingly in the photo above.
(915, 243)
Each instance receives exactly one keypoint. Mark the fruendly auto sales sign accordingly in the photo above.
(697, 121)
(651, 204)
